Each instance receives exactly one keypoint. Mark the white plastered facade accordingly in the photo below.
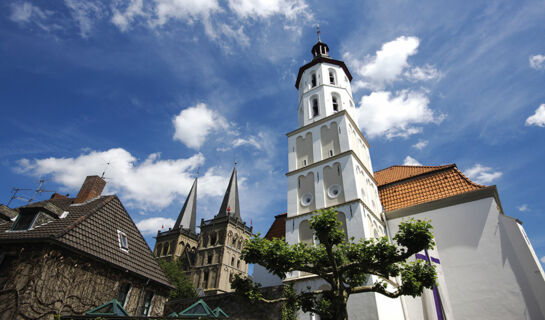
(332, 168)
(489, 269)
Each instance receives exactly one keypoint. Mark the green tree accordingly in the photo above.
(345, 265)
(174, 273)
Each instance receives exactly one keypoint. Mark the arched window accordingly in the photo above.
(213, 238)
(335, 103)
(238, 264)
(158, 250)
(232, 261)
(165, 249)
(315, 110)
(332, 77)
(205, 280)
(305, 233)
(313, 79)
(210, 257)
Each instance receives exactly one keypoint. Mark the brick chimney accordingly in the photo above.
(92, 187)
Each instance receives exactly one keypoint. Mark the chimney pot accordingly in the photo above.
(92, 187)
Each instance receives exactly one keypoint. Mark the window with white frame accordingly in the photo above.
(146, 306)
(313, 79)
(123, 240)
(315, 110)
(332, 77)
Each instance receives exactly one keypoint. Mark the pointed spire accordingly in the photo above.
(230, 205)
(188, 215)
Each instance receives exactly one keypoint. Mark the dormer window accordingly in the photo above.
(315, 111)
(24, 221)
(313, 80)
(123, 241)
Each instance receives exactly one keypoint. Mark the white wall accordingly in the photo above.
(266, 279)
(485, 262)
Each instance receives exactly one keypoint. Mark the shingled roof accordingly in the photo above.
(405, 186)
(91, 228)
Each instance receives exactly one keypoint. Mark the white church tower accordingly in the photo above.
(330, 166)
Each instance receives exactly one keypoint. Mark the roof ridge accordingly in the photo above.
(416, 166)
(469, 180)
(419, 175)
(84, 217)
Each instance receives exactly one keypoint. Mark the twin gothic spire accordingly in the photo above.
(229, 205)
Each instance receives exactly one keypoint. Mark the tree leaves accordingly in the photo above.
(345, 265)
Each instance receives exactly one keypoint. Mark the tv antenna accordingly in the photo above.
(39, 190)
(106, 168)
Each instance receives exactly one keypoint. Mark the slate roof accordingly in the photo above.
(188, 215)
(230, 203)
(91, 228)
(405, 186)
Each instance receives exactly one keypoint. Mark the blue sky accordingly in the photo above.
(161, 88)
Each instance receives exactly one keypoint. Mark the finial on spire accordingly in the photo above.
(318, 32)
(198, 169)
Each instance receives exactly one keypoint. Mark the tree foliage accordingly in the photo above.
(346, 266)
(174, 273)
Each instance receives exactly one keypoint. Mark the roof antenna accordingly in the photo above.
(318, 32)
(104, 172)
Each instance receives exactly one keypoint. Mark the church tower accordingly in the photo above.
(220, 245)
(181, 241)
(330, 166)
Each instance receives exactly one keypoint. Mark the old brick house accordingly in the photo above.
(66, 256)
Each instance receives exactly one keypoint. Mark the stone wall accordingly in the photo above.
(38, 282)
(235, 306)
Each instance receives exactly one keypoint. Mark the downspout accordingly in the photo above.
(398, 278)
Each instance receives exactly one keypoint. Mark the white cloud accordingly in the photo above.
(481, 174)
(424, 73)
(150, 226)
(188, 10)
(265, 8)
(410, 161)
(25, 12)
(537, 62)
(238, 35)
(387, 64)
(123, 19)
(421, 144)
(538, 118)
(86, 13)
(384, 114)
(523, 208)
(150, 184)
(193, 124)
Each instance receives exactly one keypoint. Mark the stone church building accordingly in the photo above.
(212, 257)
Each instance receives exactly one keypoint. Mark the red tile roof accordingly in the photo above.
(405, 186)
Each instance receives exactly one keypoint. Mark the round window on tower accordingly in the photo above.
(334, 191)
(306, 199)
